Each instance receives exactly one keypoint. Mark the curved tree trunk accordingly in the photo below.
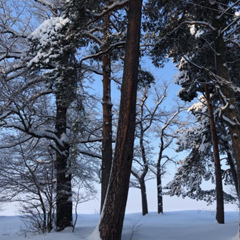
(141, 181)
(113, 212)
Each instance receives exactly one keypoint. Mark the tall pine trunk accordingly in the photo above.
(113, 212)
(216, 156)
(64, 189)
(232, 117)
(107, 116)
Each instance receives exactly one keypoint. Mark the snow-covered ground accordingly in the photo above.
(181, 225)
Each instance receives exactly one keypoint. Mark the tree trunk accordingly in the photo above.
(64, 191)
(232, 163)
(159, 175)
(233, 170)
(141, 178)
(113, 212)
(144, 197)
(159, 191)
(218, 175)
(231, 114)
(107, 117)
(234, 129)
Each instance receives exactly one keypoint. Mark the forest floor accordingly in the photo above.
(179, 225)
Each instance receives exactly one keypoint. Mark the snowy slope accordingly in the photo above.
(182, 225)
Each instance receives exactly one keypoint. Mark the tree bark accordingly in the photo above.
(113, 212)
(141, 178)
(159, 176)
(142, 187)
(231, 114)
(232, 163)
(159, 191)
(107, 116)
(233, 170)
(64, 191)
(144, 197)
(216, 156)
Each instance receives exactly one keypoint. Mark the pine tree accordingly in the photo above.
(198, 166)
(111, 222)
(204, 25)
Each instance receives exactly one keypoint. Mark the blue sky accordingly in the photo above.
(134, 200)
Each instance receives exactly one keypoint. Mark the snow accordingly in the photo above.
(178, 225)
(226, 119)
(237, 14)
(49, 27)
(65, 138)
(212, 2)
(235, 135)
(46, 39)
(192, 29)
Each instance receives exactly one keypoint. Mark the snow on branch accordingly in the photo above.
(90, 154)
(152, 169)
(90, 140)
(93, 37)
(227, 9)
(42, 93)
(15, 75)
(153, 112)
(12, 68)
(10, 101)
(226, 107)
(37, 133)
(220, 81)
(113, 7)
(201, 23)
(230, 41)
(115, 45)
(7, 54)
(136, 173)
(92, 69)
(4, 114)
(10, 145)
(8, 29)
(229, 121)
(229, 25)
(169, 121)
(45, 3)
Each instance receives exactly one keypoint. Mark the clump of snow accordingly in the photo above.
(48, 28)
(199, 106)
(237, 14)
(47, 39)
(199, 33)
(95, 235)
(65, 138)
(192, 29)
(195, 32)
